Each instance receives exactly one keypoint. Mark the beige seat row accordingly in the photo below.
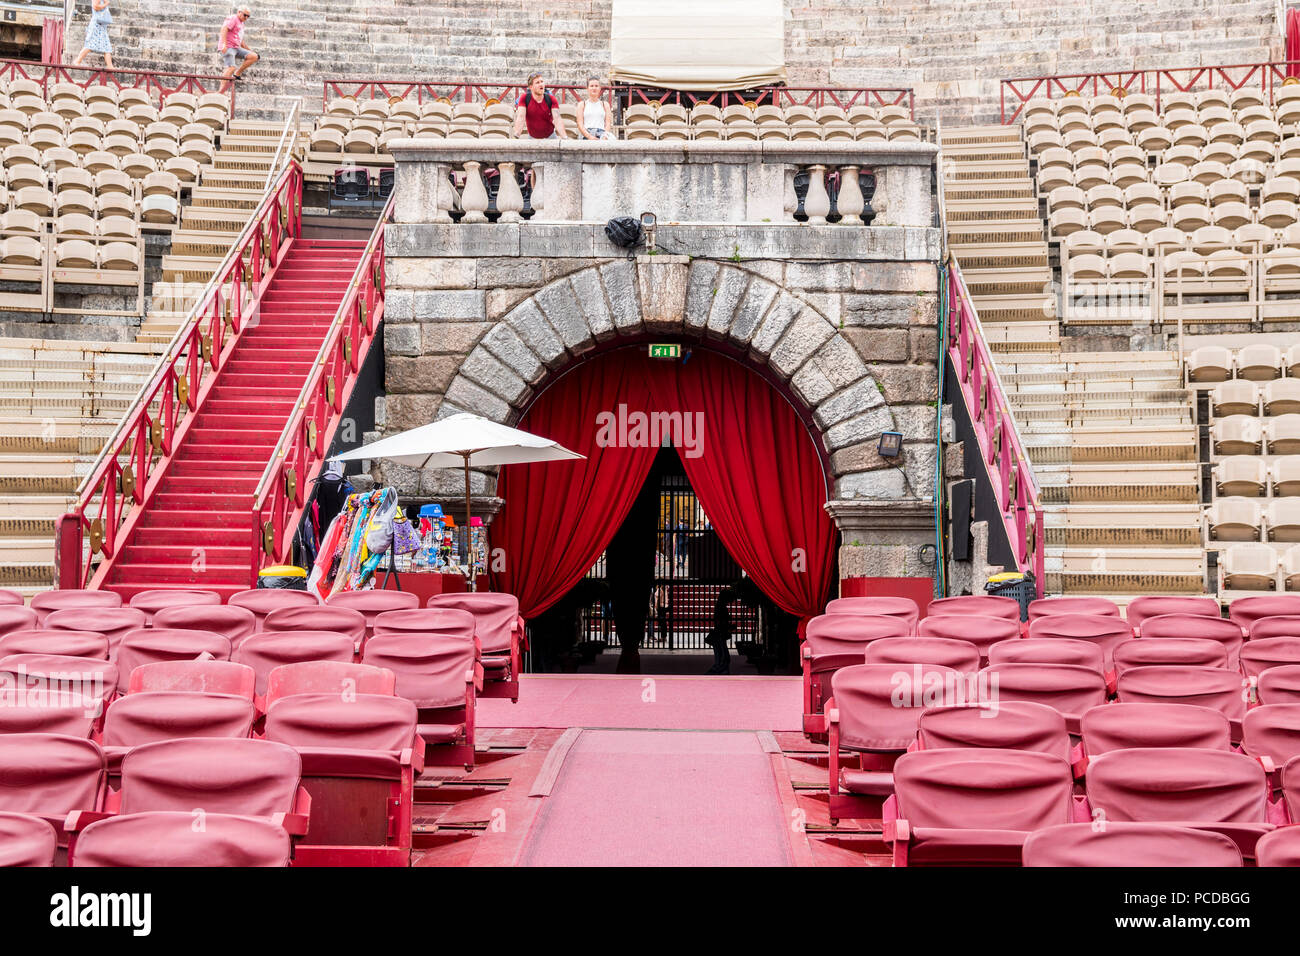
(1255, 566)
(1254, 477)
(1258, 362)
(1248, 435)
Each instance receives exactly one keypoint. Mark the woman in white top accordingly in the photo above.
(595, 119)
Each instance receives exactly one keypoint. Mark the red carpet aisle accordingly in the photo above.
(645, 702)
(645, 798)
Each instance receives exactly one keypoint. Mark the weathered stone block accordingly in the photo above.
(876, 310)
(485, 369)
(895, 277)
(401, 339)
(619, 278)
(882, 484)
(507, 273)
(758, 299)
(560, 306)
(860, 427)
(857, 398)
(879, 345)
(409, 411)
(451, 305)
(775, 322)
(805, 336)
(425, 373)
(731, 288)
(701, 287)
(501, 301)
(527, 320)
(590, 295)
(506, 345)
(431, 273)
(450, 338)
(662, 283)
(907, 384)
(467, 394)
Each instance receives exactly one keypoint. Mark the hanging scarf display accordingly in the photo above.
(355, 543)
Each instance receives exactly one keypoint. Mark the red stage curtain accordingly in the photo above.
(758, 478)
(1292, 42)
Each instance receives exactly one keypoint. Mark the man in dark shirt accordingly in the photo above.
(538, 112)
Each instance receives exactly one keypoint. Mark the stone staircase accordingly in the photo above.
(1111, 434)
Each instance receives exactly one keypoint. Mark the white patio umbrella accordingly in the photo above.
(460, 441)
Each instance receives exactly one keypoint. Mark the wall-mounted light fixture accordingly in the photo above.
(891, 444)
(648, 221)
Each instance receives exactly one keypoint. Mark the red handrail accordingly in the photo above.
(154, 82)
(1234, 76)
(1012, 475)
(283, 491)
(132, 462)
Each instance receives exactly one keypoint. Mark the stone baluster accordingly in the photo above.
(445, 198)
(850, 202)
(817, 203)
(474, 198)
(535, 199)
(510, 201)
(790, 198)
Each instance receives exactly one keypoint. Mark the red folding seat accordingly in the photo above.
(1068, 688)
(1245, 611)
(148, 645)
(903, 608)
(195, 677)
(50, 776)
(1048, 650)
(86, 681)
(337, 678)
(1279, 848)
(1043, 607)
(501, 635)
(832, 641)
(1104, 630)
(979, 605)
(265, 651)
(17, 618)
(55, 600)
(232, 623)
(973, 806)
(1279, 685)
(68, 717)
(1131, 726)
(439, 673)
(1141, 608)
(1128, 845)
(167, 838)
(26, 840)
(112, 622)
(1290, 780)
(1180, 626)
(983, 632)
(151, 716)
(1261, 655)
(340, 620)
(55, 641)
(8, 597)
(151, 602)
(872, 712)
(1195, 651)
(262, 601)
(1271, 734)
(359, 763)
(1215, 687)
(1013, 725)
(1216, 790)
(374, 602)
(1284, 625)
(959, 655)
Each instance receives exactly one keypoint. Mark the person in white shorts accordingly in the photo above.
(595, 118)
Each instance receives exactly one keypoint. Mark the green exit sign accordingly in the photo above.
(666, 351)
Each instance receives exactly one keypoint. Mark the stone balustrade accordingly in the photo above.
(688, 182)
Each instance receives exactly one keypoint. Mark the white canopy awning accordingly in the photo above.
(698, 44)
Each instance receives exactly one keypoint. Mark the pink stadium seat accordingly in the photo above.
(832, 641)
(1279, 848)
(148, 645)
(873, 711)
(51, 775)
(903, 608)
(1245, 611)
(1101, 629)
(1290, 779)
(55, 641)
(151, 716)
(49, 601)
(232, 623)
(1215, 790)
(959, 655)
(1179, 626)
(979, 605)
(1196, 651)
(439, 673)
(328, 677)
(501, 635)
(983, 632)
(1130, 726)
(1279, 685)
(1013, 725)
(195, 677)
(70, 718)
(1068, 688)
(169, 838)
(340, 620)
(1272, 733)
(8, 597)
(267, 650)
(973, 806)
(151, 602)
(17, 618)
(112, 622)
(1218, 688)
(1044, 607)
(1048, 650)
(1141, 608)
(359, 763)
(26, 840)
(1284, 625)
(88, 681)
(1258, 656)
(374, 602)
(1129, 845)
(262, 601)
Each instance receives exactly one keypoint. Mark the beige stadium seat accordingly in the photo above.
(76, 254)
(406, 109)
(71, 177)
(1067, 220)
(889, 115)
(1259, 362)
(1106, 194)
(1193, 134)
(20, 154)
(470, 111)
(1125, 240)
(1281, 264)
(161, 148)
(89, 124)
(1249, 567)
(161, 184)
(184, 168)
(1191, 216)
(1127, 173)
(138, 165)
(74, 200)
(203, 153)
(116, 204)
(133, 96)
(46, 120)
(101, 93)
(1289, 564)
(1241, 475)
(1178, 116)
(1291, 360)
(339, 121)
(84, 141)
(375, 106)
(1188, 192)
(1140, 120)
(159, 209)
(1237, 435)
(1087, 267)
(1091, 174)
(1084, 241)
(1233, 519)
(345, 105)
(1222, 152)
(176, 114)
(1281, 397)
(1146, 216)
(439, 110)
(1112, 135)
(21, 221)
(1107, 219)
(35, 199)
(22, 251)
(1077, 137)
(360, 141)
(1134, 101)
(1245, 97)
(27, 103)
(44, 139)
(11, 136)
(1155, 139)
(639, 113)
(1278, 213)
(1235, 397)
(1283, 433)
(119, 256)
(1130, 265)
(862, 113)
(1284, 475)
(1252, 237)
(875, 132)
(118, 227)
(1276, 187)
(1167, 175)
(1056, 157)
(766, 132)
(746, 132)
(98, 160)
(102, 110)
(1282, 519)
(326, 139)
(1212, 114)
(75, 225)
